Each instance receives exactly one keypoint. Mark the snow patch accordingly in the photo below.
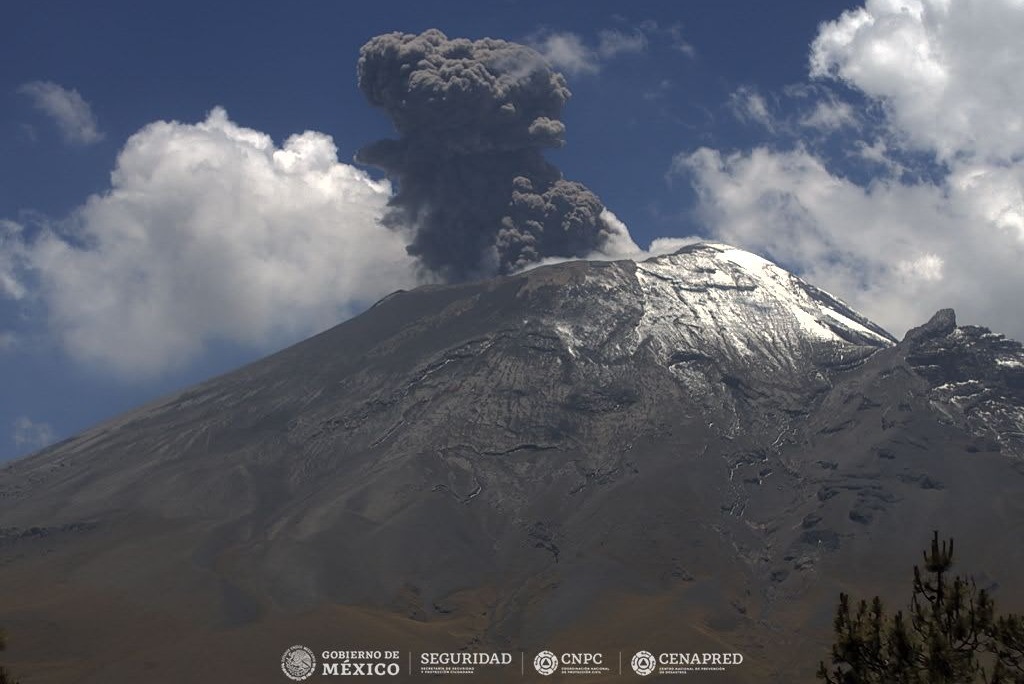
(747, 260)
(716, 297)
(852, 324)
(569, 339)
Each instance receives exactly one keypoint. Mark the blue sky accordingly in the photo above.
(178, 197)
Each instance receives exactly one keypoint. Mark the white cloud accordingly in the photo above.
(8, 340)
(30, 434)
(945, 76)
(925, 268)
(877, 152)
(672, 35)
(620, 245)
(11, 260)
(67, 108)
(947, 72)
(797, 111)
(898, 252)
(749, 106)
(210, 232)
(567, 52)
(680, 43)
(830, 115)
(668, 245)
(612, 43)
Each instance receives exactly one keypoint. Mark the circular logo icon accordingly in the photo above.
(545, 663)
(298, 663)
(643, 663)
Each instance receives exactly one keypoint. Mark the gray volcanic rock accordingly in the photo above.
(696, 452)
(977, 378)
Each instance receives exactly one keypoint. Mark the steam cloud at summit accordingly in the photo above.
(472, 183)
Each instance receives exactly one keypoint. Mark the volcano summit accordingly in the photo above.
(693, 453)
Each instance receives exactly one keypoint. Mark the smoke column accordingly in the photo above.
(473, 187)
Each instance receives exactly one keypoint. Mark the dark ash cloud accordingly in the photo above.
(474, 118)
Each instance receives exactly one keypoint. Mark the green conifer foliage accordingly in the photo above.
(950, 635)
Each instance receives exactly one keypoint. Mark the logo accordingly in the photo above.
(545, 663)
(298, 663)
(359, 663)
(570, 663)
(461, 662)
(643, 663)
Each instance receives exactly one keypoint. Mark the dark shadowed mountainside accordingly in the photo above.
(696, 452)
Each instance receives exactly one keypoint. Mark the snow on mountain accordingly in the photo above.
(976, 377)
(719, 301)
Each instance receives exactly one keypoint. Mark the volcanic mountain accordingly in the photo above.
(692, 453)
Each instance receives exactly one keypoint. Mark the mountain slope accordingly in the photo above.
(693, 452)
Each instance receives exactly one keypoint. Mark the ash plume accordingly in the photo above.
(473, 187)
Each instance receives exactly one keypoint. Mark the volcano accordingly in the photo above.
(693, 453)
